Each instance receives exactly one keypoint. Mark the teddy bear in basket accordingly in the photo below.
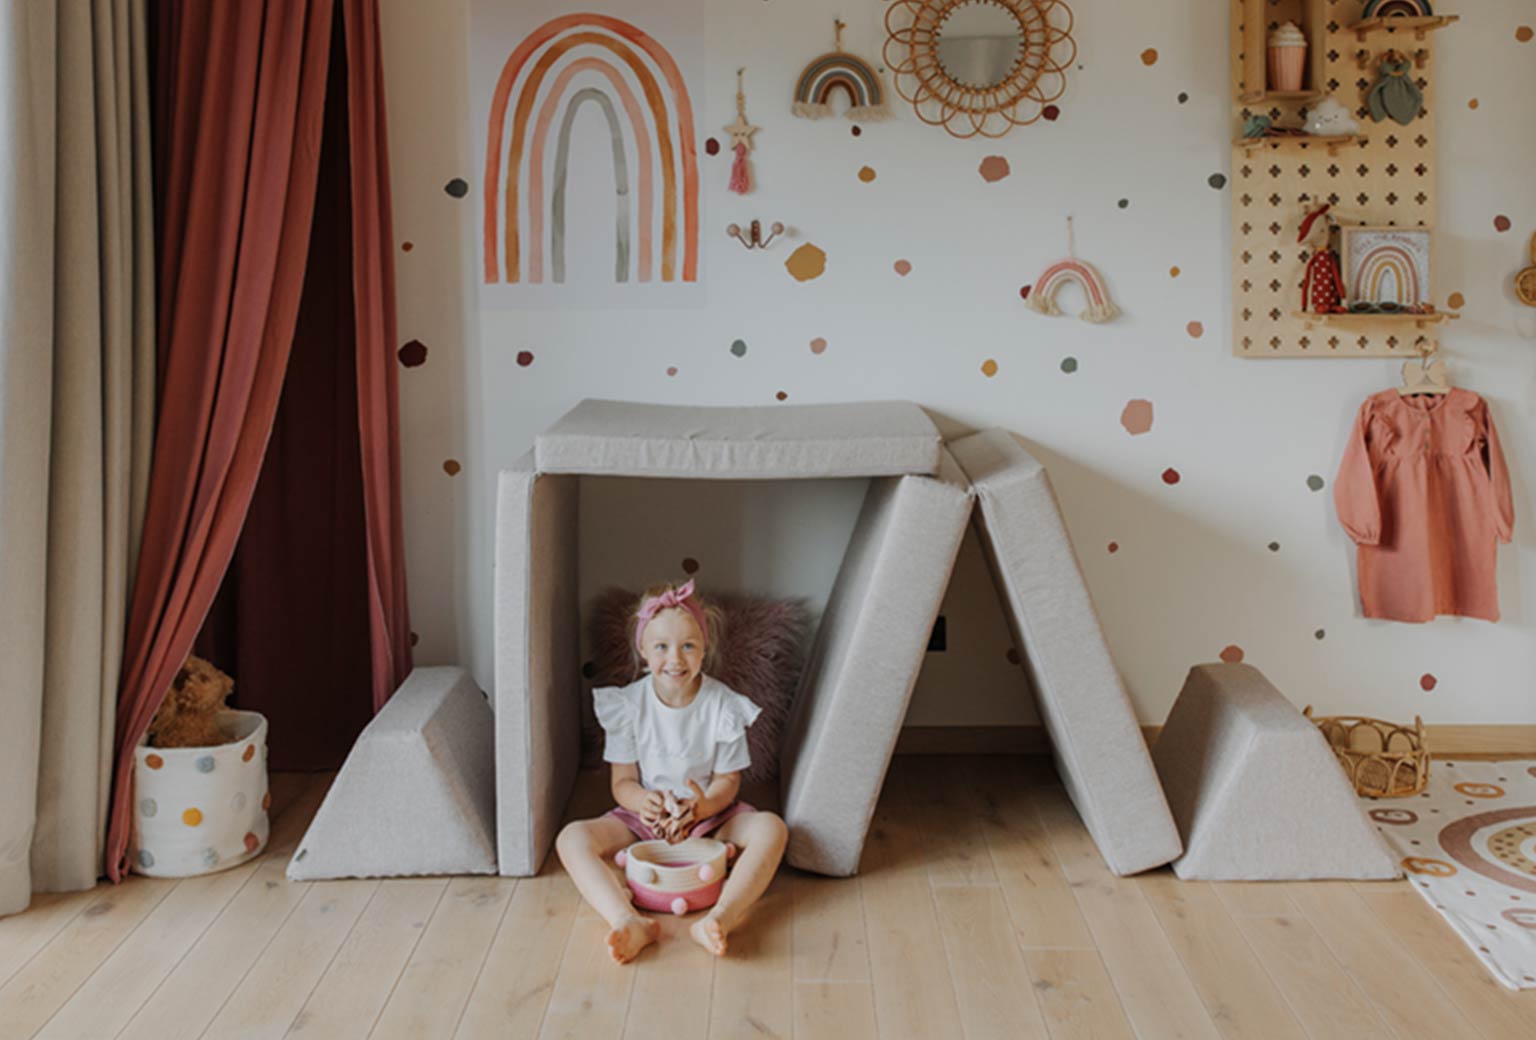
(187, 717)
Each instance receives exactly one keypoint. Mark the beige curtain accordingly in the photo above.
(77, 383)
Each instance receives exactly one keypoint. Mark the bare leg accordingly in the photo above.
(586, 847)
(761, 836)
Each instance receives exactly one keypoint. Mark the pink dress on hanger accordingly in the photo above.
(1424, 493)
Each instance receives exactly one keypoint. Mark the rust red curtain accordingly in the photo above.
(241, 107)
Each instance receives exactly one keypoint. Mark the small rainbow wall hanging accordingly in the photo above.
(840, 70)
(1397, 9)
(1042, 298)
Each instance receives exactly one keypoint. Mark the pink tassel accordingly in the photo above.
(741, 182)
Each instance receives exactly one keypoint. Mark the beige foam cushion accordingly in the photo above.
(622, 438)
(1094, 734)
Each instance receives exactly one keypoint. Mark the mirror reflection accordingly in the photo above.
(979, 43)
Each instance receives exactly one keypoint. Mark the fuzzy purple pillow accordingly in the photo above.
(760, 657)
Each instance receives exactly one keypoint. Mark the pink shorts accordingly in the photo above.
(638, 827)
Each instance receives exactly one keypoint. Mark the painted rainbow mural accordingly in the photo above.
(652, 120)
(1042, 297)
(839, 69)
(1387, 274)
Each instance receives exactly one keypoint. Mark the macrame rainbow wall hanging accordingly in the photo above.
(839, 69)
(1042, 298)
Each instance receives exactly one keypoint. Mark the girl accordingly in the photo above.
(677, 741)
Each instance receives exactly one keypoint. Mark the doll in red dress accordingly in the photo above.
(1322, 287)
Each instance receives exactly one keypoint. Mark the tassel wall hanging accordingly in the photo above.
(741, 133)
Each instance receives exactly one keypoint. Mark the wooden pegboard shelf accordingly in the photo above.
(1364, 321)
(1281, 95)
(1330, 142)
(1420, 27)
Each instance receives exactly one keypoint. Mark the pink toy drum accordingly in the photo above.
(677, 878)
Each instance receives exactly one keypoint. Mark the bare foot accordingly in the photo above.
(627, 940)
(709, 933)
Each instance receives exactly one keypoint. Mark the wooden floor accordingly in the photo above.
(983, 910)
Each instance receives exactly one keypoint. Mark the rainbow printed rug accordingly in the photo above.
(1468, 845)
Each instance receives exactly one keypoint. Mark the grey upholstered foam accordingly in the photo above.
(417, 792)
(1256, 790)
(1092, 725)
(864, 663)
(538, 660)
(621, 438)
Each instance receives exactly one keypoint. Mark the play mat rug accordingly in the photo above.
(1468, 845)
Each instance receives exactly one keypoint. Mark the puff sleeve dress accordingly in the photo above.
(1424, 493)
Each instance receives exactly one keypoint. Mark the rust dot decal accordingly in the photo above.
(1149, 56)
(524, 358)
(712, 147)
(1428, 682)
(1171, 476)
(806, 263)
(818, 345)
(989, 368)
(1232, 654)
(690, 565)
(154, 761)
(1024, 292)
(1195, 329)
(1113, 547)
(781, 396)
(1456, 301)
(451, 467)
(1051, 113)
(1523, 34)
(902, 267)
(413, 353)
(867, 174)
(1136, 417)
(406, 247)
(1472, 104)
(1173, 272)
(1501, 223)
(993, 169)
(671, 370)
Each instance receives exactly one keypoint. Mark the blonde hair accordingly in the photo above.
(714, 625)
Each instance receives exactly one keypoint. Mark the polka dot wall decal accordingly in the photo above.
(1123, 203)
(1149, 56)
(902, 267)
(1456, 301)
(1315, 482)
(690, 565)
(1183, 97)
(1217, 180)
(192, 817)
(818, 346)
(1195, 329)
(1472, 104)
(805, 263)
(1232, 654)
(781, 396)
(1051, 113)
(855, 130)
(711, 146)
(1428, 682)
(148, 807)
(1523, 34)
(458, 187)
(867, 174)
(1274, 546)
(671, 370)
(406, 247)
(1319, 634)
(451, 467)
(1171, 476)
(1501, 223)
(1024, 292)
(1173, 272)
(524, 358)
(154, 761)
(993, 169)
(1069, 365)
(1136, 416)
(413, 353)
(739, 348)
(989, 368)
(1113, 547)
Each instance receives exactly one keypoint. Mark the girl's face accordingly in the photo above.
(673, 648)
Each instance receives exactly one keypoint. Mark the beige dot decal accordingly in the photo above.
(867, 174)
(1456, 301)
(806, 263)
(1149, 56)
(451, 467)
(902, 267)
(818, 345)
(989, 368)
(1232, 654)
(993, 168)
(1195, 330)
(1173, 272)
(1137, 417)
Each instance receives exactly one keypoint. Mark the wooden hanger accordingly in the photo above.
(1426, 377)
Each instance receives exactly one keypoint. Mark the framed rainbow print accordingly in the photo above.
(1385, 267)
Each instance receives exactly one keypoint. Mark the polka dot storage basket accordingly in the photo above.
(677, 878)
(201, 809)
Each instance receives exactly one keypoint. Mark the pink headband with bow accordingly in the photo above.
(679, 598)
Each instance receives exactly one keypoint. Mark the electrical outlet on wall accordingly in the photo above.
(937, 641)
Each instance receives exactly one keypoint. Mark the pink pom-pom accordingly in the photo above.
(707, 873)
(620, 858)
(731, 850)
(679, 906)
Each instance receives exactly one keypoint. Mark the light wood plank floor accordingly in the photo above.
(983, 910)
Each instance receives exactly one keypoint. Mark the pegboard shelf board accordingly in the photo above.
(1420, 27)
(1328, 141)
(1253, 97)
(1362, 321)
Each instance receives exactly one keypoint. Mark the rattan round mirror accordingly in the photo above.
(979, 67)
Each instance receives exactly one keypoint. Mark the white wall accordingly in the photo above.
(1193, 573)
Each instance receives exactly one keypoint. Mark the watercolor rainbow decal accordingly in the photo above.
(813, 91)
(1387, 274)
(652, 120)
(1042, 298)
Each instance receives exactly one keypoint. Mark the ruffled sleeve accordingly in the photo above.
(736, 714)
(616, 713)
(1354, 489)
(1498, 476)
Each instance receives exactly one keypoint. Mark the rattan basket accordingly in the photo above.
(1382, 759)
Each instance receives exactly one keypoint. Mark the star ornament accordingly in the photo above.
(741, 132)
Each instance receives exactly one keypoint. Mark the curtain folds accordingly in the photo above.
(77, 380)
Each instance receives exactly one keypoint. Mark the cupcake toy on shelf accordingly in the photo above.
(1287, 58)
